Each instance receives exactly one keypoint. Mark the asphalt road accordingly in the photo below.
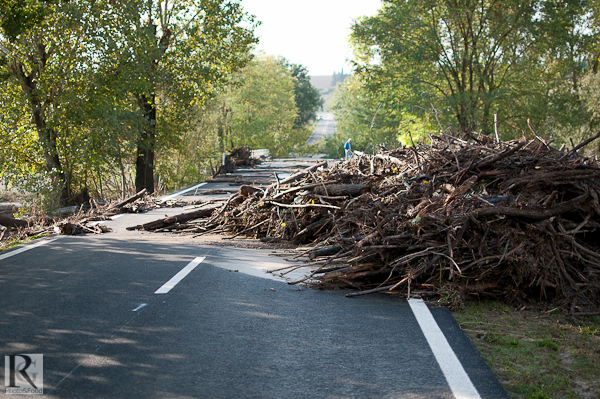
(88, 304)
(325, 128)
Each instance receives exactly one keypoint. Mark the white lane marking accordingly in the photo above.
(168, 197)
(139, 307)
(179, 276)
(460, 384)
(96, 222)
(27, 248)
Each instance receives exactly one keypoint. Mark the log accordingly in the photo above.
(181, 218)
(301, 174)
(301, 205)
(246, 190)
(580, 145)
(351, 190)
(324, 252)
(302, 188)
(564, 207)
(563, 175)
(12, 222)
(495, 158)
(128, 200)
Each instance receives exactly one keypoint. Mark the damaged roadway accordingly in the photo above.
(227, 329)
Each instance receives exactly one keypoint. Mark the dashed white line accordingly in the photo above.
(460, 384)
(166, 287)
(139, 307)
(27, 248)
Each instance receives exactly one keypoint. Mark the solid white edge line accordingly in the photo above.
(27, 248)
(460, 384)
(166, 287)
(168, 197)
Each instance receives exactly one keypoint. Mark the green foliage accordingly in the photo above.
(308, 99)
(169, 56)
(355, 106)
(464, 61)
(459, 55)
(263, 108)
(19, 16)
(103, 80)
(43, 65)
(257, 109)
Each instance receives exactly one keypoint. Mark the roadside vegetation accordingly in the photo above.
(536, 352)
(102, 99)
(422, 66)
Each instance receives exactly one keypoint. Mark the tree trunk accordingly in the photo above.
(12, 222)
(486, 120)
(146, 142)
(46, 135)
(172, 220)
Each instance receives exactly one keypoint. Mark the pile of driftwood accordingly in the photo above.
(79, 221)
(240, 156)
(515, 220)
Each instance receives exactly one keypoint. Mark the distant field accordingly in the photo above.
(321, 81)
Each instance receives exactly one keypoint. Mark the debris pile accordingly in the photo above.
(81, 219)
(240, 156)
(512, 220)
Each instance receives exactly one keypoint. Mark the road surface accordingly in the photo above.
(150, 315)
(325, 128)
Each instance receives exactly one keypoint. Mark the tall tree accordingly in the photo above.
(308, 99)
(19, 16)
(261, 108)
(175, 52)
(41, 57)
(567, 40)
(460, 54)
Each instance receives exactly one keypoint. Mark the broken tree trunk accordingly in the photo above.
(245, 190)
(12, 222)
(352, 190)
(128, 200)
(181, 218)
(301, 174)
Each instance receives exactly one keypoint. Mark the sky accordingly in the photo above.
(313, 33)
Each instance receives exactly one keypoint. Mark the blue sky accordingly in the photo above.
(313, 33)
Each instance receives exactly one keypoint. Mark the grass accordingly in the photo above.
(15, 242)
(536, 354)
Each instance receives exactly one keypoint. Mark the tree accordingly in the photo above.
(19, 16)
(308, 99)
(175, 53)
(355, 108)
(42, 58)
(100, 81)
(260, 110)
(460, 54)
(567, 40)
